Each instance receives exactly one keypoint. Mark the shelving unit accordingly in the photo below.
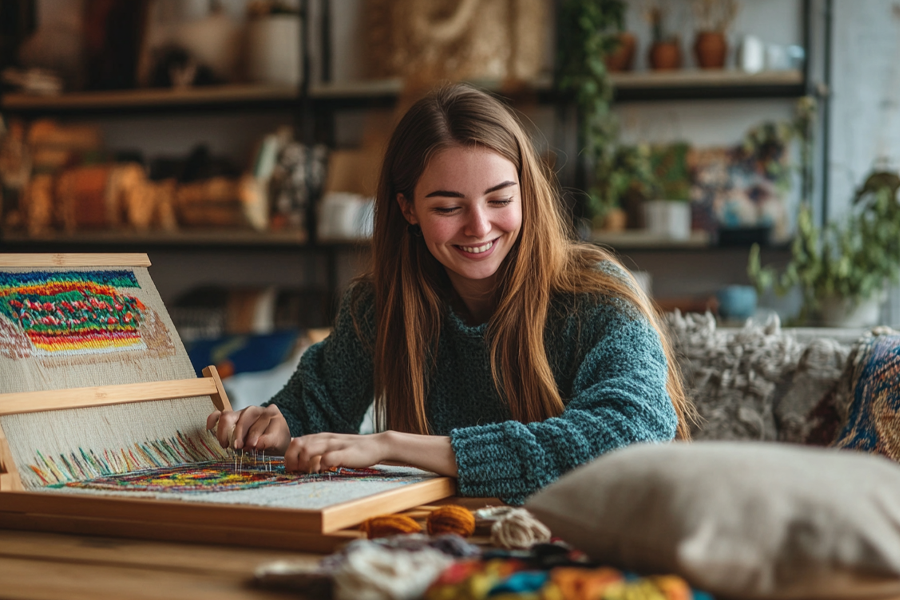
(317, 104)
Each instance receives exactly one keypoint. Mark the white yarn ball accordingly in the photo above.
(371, 572)
(518, 529)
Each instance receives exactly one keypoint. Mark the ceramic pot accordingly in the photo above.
(710, 49)
(665, 56)
(669, 219)
(841, 312)
(622, 59)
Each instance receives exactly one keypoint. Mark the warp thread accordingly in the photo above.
(371, 572)
(518, 529)
(385, 525)
(451, 519)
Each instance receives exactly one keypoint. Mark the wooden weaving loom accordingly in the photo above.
(73, 411)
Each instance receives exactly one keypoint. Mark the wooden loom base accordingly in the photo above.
(179, 532)
(237, 525)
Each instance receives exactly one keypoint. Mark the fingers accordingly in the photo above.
(266, 429)
(212, 419)
(223, 422)
(318, 452)
(304, 453)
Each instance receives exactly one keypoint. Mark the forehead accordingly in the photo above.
(467, 166)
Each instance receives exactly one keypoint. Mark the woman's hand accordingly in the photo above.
(253, 428)
(320, 451)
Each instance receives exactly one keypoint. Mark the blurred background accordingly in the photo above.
(738, 155)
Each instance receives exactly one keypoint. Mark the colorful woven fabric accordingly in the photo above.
(71, 312)
(214, 476)
(508, 579)
(870, 400)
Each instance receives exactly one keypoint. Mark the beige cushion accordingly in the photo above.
(737, 519)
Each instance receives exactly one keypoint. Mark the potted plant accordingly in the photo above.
(588, 34)
(668, 210)
(843, 270)
(713, 17)
(665, 50)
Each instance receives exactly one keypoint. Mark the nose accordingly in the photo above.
(478, 224)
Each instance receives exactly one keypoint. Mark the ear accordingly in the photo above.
(408, 209)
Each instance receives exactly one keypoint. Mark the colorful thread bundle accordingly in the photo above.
(214, 476)
(71, 312)
(87, 464)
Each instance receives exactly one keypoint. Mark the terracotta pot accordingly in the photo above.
(710, 49)
(664, 56)
(622, 59)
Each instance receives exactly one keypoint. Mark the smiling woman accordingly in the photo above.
(497, 349)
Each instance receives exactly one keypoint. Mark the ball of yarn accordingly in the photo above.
(386, 525)
(371, 572)
(518, 529)
(451, 519)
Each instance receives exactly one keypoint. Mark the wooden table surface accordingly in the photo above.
(37, 565)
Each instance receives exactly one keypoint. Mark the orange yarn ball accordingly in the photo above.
(386, 525)
(451, 519)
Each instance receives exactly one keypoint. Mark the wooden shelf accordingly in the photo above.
(697, 84)
(182, 239)
(639, 239)
(643, 85)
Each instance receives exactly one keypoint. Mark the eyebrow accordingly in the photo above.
(449, 194)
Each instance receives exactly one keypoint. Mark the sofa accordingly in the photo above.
(790, 488)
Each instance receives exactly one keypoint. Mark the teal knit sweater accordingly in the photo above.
(608, 364)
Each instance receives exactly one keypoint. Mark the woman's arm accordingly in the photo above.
(330, 390)
(314, 453)
(617, 397)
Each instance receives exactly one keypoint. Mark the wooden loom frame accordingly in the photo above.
(303, 529)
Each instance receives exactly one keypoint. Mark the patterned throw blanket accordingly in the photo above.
(868, 399)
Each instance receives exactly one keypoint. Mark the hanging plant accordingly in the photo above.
(589, 33)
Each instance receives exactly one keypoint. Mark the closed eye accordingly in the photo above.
(502, 201)
(445, 210)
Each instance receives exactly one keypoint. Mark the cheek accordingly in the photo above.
(438, 230)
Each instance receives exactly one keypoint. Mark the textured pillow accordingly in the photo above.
(738, 519)
(868, 397)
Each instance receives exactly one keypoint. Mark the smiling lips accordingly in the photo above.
(478, 249)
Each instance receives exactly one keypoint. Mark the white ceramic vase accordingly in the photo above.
(670, 219)
(841, 312)
(273, 50)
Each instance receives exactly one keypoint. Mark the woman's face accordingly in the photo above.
(469, 207)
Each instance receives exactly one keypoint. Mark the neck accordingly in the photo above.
(479, 297)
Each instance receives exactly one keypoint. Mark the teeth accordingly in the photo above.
(477, 249)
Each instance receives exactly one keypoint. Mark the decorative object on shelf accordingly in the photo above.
(667, 210)
(746, 186)
(665, 50)
(622, 58)
(296, 184)
(427, 42)
(222, 202)
(591, 34)
(737, 302)
(846, 264)
(631, 183)
(15, 169)
(714, 17)
(273, 44)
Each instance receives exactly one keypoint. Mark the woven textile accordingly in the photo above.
(63, 328)
(868, 400)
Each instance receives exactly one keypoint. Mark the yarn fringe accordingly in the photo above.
(88, 464)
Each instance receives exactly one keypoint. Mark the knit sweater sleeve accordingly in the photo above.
(618, 397)
(333, 384)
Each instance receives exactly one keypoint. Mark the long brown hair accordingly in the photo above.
(411, 285)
